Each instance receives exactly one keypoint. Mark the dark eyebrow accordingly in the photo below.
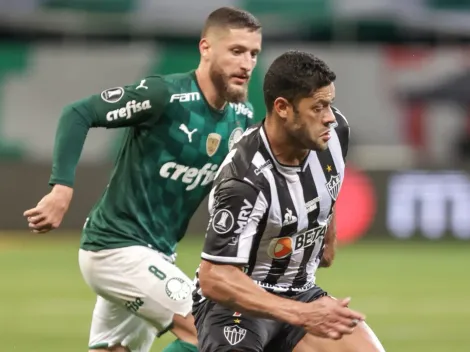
(324, 102)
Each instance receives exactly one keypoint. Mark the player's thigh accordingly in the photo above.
(221, 329)
(141, 280)
(114, 328)
(362, 339)
(184, 328)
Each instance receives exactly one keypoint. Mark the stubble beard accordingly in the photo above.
(231, 94)
(304, 140)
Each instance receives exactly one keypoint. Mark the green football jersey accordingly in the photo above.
(173, 146)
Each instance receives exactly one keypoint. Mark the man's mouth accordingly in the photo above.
(240, 79)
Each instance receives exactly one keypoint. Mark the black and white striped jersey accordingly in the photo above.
(269, 218)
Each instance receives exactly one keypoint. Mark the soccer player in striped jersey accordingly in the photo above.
(271, 214)
(179, 128)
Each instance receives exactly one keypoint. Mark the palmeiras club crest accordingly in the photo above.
(333, 186)
(212, 143)
(234, 334)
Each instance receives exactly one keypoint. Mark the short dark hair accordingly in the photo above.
(231, 17)
(295, 75)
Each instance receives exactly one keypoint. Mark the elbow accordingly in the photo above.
(325, 263)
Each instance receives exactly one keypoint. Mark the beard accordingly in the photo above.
(300, 137)
(231, 93)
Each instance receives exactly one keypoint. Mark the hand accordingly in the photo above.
(330, 318)
(49, 212)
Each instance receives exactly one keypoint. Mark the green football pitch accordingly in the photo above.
(416, 296)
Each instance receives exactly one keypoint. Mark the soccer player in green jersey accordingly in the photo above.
(179, 128)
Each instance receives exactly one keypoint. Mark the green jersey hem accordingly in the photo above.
(96, 240)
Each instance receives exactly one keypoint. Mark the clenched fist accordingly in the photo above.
(49, 212)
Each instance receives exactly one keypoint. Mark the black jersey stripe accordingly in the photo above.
(310, 196)
(289, 227)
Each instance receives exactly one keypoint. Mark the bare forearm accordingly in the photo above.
(330, 238)
(330, 244)
(235, 290)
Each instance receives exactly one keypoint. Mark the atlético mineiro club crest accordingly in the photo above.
(234, 334)
(333, 186)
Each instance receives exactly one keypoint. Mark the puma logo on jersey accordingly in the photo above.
(185, 129)
(289, 218)
(130, 109)
(191, 176)
(243, 215)
(142, 85)
(185, 97)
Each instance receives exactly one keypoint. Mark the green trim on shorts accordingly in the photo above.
(98, 346)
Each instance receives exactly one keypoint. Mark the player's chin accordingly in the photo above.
(236, 94)
(319, 146)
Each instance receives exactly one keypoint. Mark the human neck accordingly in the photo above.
(208, 89)
(285, 149)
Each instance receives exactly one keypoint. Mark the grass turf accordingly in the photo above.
(415, 295)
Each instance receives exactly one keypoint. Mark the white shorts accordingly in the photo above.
(138, 291)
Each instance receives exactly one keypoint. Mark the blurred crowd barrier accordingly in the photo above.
(408, 103)
(279, 17)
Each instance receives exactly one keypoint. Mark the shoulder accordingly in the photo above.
(178, 78)
(242, 152)
(239, 192)
(154, 86)
(183, 88)
(235, 187)
(246, 161)
(342, 124)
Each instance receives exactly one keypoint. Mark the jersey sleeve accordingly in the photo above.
(342, 130)
(140, 104)
(237, 209)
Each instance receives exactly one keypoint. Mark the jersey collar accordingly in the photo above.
(286, 169)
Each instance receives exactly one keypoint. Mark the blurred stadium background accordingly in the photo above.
(404, 213)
